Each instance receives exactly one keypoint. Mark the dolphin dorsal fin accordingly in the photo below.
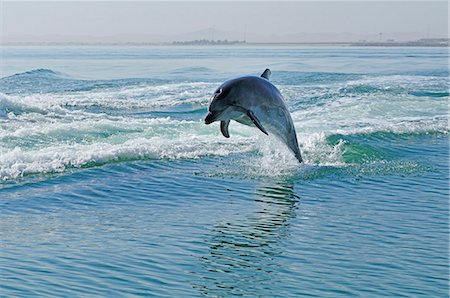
(266, 74)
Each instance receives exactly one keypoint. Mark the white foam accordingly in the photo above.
(127, 98)
(42, 133)
(368, 113)
(140, 97)
(56, 158)
(82, 126)
(164, 138)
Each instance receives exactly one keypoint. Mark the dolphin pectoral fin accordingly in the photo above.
(256, 121)
(224, 128)
(266, 74)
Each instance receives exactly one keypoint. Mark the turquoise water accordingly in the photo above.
(111, 185)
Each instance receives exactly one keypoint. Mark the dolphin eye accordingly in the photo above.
(222, 92)
(219, 94)
(216, 94)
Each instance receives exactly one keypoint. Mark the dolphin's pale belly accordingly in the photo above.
(244, 119)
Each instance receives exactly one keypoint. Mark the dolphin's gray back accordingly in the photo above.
(263, 92)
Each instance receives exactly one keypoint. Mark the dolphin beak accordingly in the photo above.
(210, 118)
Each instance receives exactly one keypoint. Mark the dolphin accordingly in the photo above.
(254, 101)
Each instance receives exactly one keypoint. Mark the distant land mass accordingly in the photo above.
(211, 36)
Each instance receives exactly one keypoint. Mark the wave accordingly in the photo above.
(37, 81)
(430, 94)
(60, 157)
(136, 98)
(132, 119)
(193, 70)
(40, 72)
(48, 81)
(167, 139)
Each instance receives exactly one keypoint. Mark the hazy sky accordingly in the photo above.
(168, 18)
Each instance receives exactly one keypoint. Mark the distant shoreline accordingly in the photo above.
(424, 42)
(241, 44)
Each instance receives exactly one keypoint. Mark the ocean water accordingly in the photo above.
(111, 185)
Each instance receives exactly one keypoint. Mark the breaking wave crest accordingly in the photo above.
(54, 131)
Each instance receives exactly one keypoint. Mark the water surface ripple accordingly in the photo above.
(112, 186)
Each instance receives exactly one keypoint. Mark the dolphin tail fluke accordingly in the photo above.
(298, 156)
(293, 145)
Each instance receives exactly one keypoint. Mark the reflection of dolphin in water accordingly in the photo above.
(242, 253)
(254, 101)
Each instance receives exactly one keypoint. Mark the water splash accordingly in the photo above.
(144, 119)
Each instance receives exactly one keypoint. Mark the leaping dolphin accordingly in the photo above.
(253, 101)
